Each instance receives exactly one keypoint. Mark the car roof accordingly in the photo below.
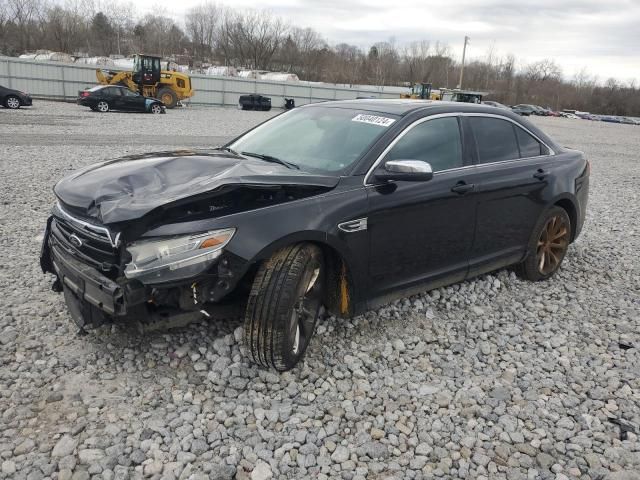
(404, 107)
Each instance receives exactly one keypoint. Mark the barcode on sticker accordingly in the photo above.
(373, 120)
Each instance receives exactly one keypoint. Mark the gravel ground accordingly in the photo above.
(492, 378)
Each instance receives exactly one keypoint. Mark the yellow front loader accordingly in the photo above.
(420, 91)
(149, 80)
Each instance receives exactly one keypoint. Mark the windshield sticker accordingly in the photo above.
(373, 120)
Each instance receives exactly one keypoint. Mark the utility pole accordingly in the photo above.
(464, 52)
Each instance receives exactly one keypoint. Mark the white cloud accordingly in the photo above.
(600, 35)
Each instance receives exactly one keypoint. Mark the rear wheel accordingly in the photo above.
(156, 108)
(168, 97)
(12, 102)
(548, 245)
(102, 106)
(284, 305)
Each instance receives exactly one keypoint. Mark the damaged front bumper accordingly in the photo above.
(93, 298)
(89, 285)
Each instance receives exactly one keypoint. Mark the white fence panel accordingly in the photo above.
(63, 81)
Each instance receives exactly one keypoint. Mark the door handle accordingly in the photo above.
(541, 174)
(462, 188)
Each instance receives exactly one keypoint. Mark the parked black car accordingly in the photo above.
(524, 110)
(344, 205)
(10, 98)
(491, 103)
(112, 97)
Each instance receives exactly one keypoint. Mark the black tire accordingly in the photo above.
(547, 246)
(12, 102)
(168, 97)
(284, 305)
(95, 109)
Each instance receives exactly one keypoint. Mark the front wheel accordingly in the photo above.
(168, 97)
(102, 106)
(548, 245)
(12, 102)
(156, 109)
(284, 305)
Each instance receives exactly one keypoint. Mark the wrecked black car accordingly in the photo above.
(340, 206)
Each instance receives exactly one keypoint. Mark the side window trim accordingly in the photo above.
(405, 131)
(515, 134)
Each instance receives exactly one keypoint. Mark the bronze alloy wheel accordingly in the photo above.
(305, 310)
(547, 245)
(552, 244)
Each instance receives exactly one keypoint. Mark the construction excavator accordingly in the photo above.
(148, 79)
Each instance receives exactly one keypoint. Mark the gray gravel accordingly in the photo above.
(493, 378)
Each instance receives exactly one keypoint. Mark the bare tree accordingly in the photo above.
(121, 16)
(543, 70)
(260, 40)
(25, 14)
(202, 23)
(415, 57)
(66, 25)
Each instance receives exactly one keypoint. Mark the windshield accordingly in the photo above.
(317, 139)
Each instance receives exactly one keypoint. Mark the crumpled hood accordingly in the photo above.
(130, 187)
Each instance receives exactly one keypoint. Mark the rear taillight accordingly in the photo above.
(84, 94)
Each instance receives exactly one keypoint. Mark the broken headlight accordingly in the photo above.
(176, 258)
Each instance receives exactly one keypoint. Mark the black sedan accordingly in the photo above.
(113, 97)
(491, 103)
(338, 207)
(13, 99)
(525, 110)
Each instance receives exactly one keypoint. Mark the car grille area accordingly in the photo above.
(91, 245)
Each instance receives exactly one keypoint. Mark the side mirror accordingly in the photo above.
(407, 170)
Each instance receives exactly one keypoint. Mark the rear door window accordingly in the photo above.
(529, 146)
(495, 139)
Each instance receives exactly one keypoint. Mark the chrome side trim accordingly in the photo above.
(457, 114)
(114, 241)
(356, 225)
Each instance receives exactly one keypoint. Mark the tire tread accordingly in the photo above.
(270, 300)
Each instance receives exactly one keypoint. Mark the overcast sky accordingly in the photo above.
(601, 35)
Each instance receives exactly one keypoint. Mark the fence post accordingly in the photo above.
(9, 73)
(224, 89)
(64, 90)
